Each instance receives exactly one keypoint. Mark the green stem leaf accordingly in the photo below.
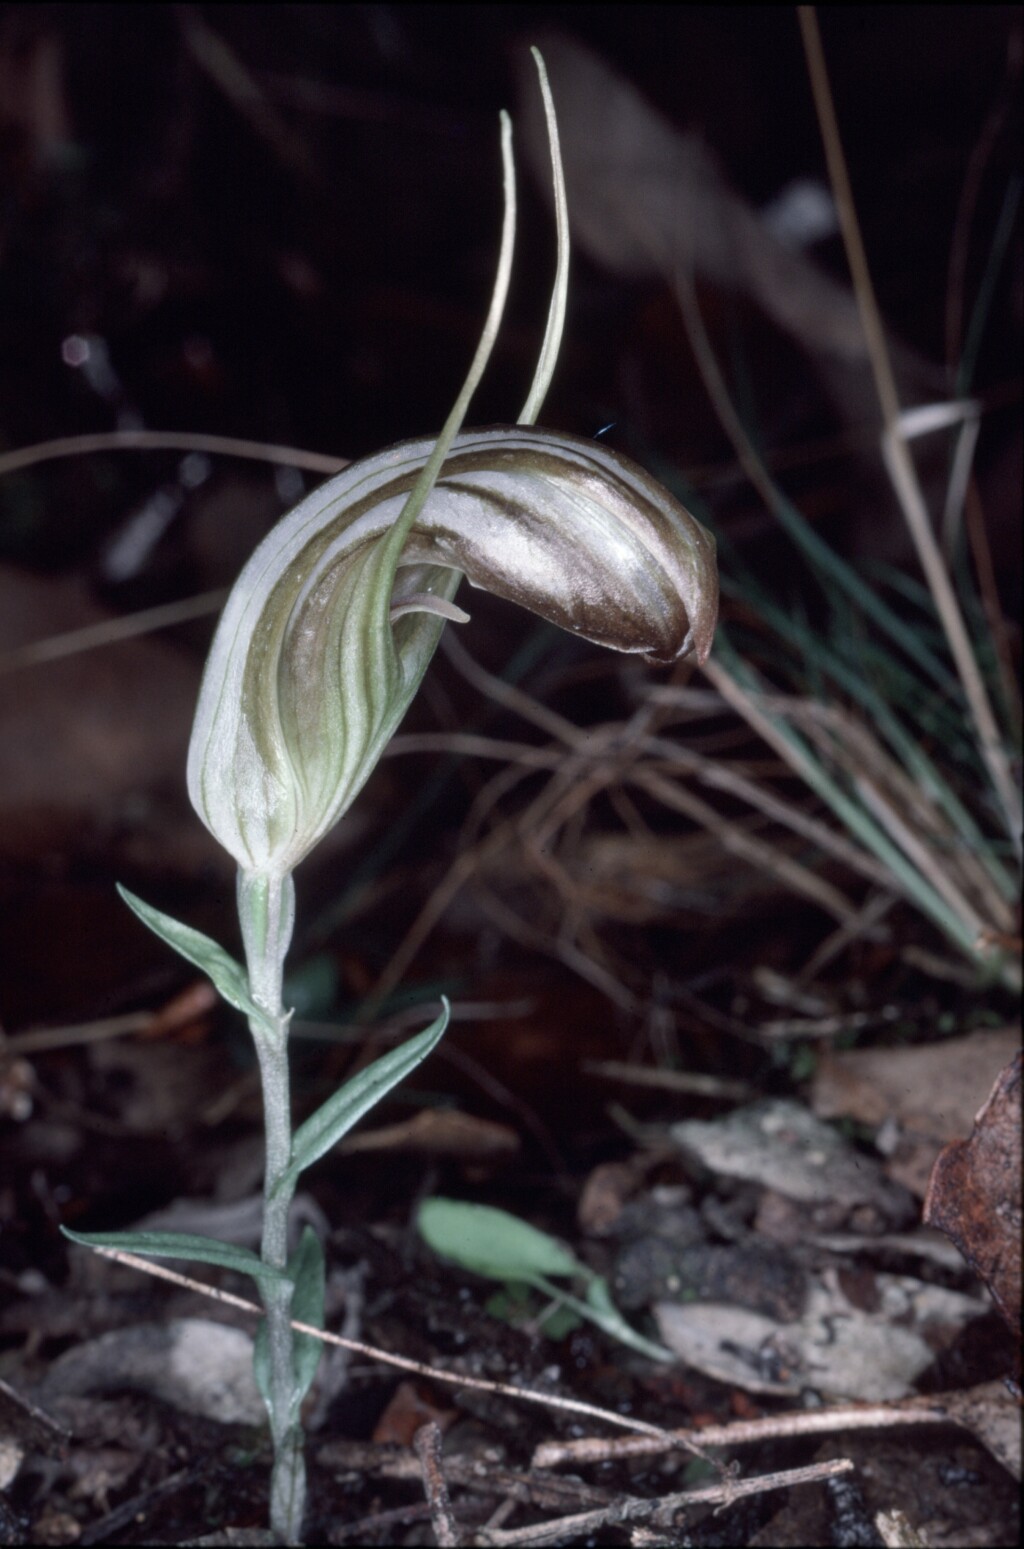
(229, 977)
(325, 1128)
(187, 1246)
(500, 1246)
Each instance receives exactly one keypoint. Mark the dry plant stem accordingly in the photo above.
(168, 441)
(109, 631)
(620, 1071)
(897, 454)
(762, 723)
(897, 1531)
(869, 918)
(821, 1422)
(427, 1445)
(881, 783)
(266, 910)
(755, 851)
(663, 1510)
(597, 759)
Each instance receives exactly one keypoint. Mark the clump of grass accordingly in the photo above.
(893, 717)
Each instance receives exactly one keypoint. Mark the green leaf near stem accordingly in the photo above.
(493, 1243)
(600, 1309)
(183, 1245)
(228, 976)
(307, 1271)
(498, 1245)
(325, 1128)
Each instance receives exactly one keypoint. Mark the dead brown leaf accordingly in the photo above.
(931, 1092)
(439, 1132)
(975, 1194)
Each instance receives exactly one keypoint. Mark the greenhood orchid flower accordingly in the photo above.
(332, 623)
(321, 648)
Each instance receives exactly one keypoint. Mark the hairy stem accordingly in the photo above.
(266, 909)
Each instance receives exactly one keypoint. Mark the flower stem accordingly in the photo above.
(266, 910)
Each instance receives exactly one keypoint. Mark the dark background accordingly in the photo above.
(315, 272)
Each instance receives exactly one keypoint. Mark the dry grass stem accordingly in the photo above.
(693, 1082)
(738, 839)
(145, 622)
(894, 445)
(663, 1510)
(744, 1433)
(169, 441)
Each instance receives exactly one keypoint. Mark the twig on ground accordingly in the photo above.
(427, 1446)
(368, 1530)
(662, 1511)
(897, 1532)
(739, 1433)
(404, 1363)
(620, 1071)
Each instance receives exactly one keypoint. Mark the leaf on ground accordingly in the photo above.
(493, 1243)
(975, 1194)
(780, 1145)
(925, 1095)
(859, 1338)
(410, 1406)
(993, 1415)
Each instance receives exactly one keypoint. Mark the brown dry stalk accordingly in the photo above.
(168, 441)
(664, 1509)
(743, 1433)
(896, 453)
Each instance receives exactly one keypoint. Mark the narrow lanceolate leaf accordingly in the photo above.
(187, 1246)
(308, 1270)
(339, 1113)
(228, 977)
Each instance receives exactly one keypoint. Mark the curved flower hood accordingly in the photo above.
(328, 632)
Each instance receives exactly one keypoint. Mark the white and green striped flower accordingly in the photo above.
(332, 623)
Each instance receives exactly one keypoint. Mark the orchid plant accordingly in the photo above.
(320, 649)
